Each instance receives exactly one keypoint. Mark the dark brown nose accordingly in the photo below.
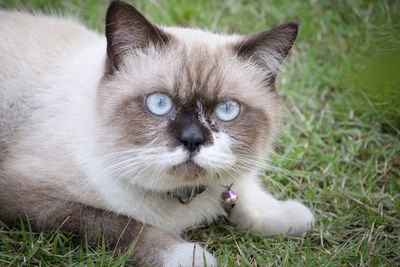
(191, 136)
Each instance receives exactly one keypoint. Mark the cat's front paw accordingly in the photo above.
(188, 255)
(299, 217)
(289, 217)
(281, 217)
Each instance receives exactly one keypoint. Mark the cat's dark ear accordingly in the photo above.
(126, 30)
(268, 49)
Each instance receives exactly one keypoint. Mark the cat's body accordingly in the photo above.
(79, 147)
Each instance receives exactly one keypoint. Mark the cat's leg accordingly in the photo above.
(152, 246)
(260, 212)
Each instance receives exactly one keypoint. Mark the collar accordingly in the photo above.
(186, 194)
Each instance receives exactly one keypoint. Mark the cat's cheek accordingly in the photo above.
(188, 254)
(218, 155)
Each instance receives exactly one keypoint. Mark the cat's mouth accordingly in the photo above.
(189, 169)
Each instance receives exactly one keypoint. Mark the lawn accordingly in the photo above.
(339, 146)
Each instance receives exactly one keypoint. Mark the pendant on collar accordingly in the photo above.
(229, 197)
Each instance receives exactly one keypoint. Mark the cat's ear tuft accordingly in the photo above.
(126, 30)
(268, 49)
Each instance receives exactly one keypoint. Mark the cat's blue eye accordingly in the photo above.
(159, 104)
(227, 110)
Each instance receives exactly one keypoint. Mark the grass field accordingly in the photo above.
(339, 147)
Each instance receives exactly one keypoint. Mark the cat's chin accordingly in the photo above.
(189, 170)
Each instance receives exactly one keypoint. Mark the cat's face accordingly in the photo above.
(185, 107)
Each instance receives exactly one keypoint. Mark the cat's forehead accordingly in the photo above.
(211, 75)
(195, 36)
(197, 66)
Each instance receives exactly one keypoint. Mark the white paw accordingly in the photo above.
(181, 255)
(299, 217)
(288, 217)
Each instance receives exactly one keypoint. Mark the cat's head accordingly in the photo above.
(184, 107)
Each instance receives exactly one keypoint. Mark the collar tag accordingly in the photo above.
(186, 195)
(228, 198)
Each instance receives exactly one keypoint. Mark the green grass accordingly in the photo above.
(338, 151)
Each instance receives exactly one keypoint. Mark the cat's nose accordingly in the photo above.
(191, 137)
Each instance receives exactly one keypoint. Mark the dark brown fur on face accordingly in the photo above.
(199, 79)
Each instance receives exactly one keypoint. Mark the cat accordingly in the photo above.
(140, 134)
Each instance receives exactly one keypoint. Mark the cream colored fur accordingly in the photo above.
(50, 71)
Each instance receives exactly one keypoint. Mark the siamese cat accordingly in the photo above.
(140, 134)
